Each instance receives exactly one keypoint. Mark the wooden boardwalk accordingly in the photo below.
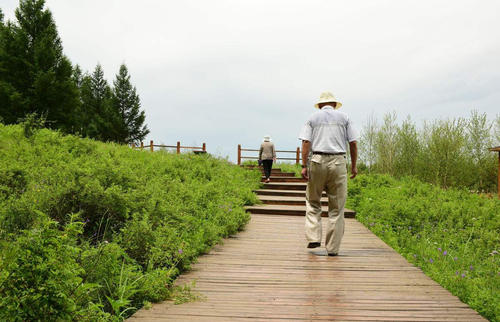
(266, 273)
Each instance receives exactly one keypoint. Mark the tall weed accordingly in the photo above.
(449, 153)
(452, 235)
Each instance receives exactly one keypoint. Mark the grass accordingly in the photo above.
(452, 235)
(91, 231)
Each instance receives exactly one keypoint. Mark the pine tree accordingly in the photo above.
(100, 107)
(11, 101)
(127, 104)
(89, 119)
(35, 76)
(77, 76)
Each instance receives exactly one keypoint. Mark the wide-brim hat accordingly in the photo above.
(327, 97)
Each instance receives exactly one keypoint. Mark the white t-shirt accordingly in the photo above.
(329, 130)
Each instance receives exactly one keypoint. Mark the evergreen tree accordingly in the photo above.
(99, 107)
(35, 76)
(127, 104)
(77, 76)
(89, 119)
(11, 104)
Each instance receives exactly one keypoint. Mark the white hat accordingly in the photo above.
(267, 138)
(327, 97)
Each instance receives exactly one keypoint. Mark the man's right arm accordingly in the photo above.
(353, 149)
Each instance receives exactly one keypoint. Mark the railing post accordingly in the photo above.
(204, 148)
(178, 147)
(239, 154)
(297, 157)
(151, 146)
(142, 145)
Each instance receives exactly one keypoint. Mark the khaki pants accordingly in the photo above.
(329, 173)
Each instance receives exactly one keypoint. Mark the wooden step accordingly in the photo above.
(288, 200)
(289, 210)
(276, 192)
(285, 185)
(284, 179)
(259, 167)
(281, 174)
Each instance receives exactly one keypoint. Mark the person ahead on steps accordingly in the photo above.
(326, 134)
(267, 154)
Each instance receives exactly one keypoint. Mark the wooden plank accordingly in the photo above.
(286, 186)
(277, 192)
(284, 179)
(266, 273)
(292, 210)
(287, 200)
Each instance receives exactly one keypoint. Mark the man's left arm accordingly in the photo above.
(353, 149)
(306, 145)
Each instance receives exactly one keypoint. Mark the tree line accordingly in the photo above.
(449, 153)
(36, 78)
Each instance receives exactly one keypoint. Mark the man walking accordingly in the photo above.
(326, 134)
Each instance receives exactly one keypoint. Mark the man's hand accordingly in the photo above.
(304, 173)
(354, 172)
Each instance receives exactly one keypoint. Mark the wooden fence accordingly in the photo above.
(240, 149)
(178, 147)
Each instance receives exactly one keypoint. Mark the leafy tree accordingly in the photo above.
(478, 141)
(35, 76)
(497, 130)
(408, 149)
(449, 153)
(386, 144)
(368, 142)
(127, 104)
(446, 162)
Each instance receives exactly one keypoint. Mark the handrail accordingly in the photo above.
(297, 154)
(178, 147)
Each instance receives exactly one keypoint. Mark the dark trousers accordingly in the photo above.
(268, 165)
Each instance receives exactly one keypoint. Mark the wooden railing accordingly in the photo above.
(178, 147)
(240, 149)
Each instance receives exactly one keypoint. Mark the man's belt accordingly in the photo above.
(328, 153)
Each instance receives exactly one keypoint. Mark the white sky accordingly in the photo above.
(229, 72)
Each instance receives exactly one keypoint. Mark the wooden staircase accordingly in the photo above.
(285, 195)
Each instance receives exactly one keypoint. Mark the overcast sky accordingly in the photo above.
(229, 72)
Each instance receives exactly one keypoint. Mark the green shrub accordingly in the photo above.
(143, 218)
(452, 235)
(40, 275)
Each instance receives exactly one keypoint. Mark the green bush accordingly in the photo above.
(452, 235)
(446, 152)
(114, 226)
(40, 275)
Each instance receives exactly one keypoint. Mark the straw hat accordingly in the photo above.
(327, 97)
(267, 138)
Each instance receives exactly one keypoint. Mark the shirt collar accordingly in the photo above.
(327, 107)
